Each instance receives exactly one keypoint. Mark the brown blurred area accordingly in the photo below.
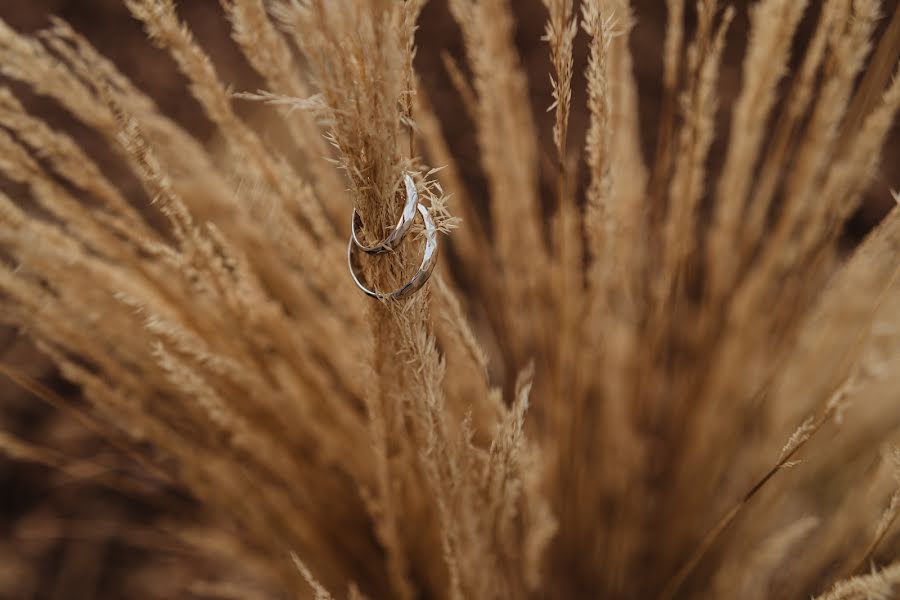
(42, 554)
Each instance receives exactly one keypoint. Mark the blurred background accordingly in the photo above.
(65, 535)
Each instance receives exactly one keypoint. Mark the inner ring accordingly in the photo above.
(400, 229)
(429, 259)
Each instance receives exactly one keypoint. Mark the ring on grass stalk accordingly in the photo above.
(400, 229)
(429, 258)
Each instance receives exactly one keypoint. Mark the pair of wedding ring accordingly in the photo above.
(429, 258)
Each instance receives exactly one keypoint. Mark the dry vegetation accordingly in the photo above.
(598, 391)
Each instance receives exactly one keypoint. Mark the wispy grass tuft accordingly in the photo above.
(665, 380)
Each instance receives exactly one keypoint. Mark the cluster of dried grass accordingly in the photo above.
(593, 404)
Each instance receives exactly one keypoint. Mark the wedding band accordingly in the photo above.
(429, 259)
(400, 229)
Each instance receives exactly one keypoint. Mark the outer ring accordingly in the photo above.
(400, 229)
(429, 259)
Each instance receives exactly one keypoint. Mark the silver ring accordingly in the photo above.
(429, 259)
(400, 229)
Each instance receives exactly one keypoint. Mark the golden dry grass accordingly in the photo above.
(606, 407)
